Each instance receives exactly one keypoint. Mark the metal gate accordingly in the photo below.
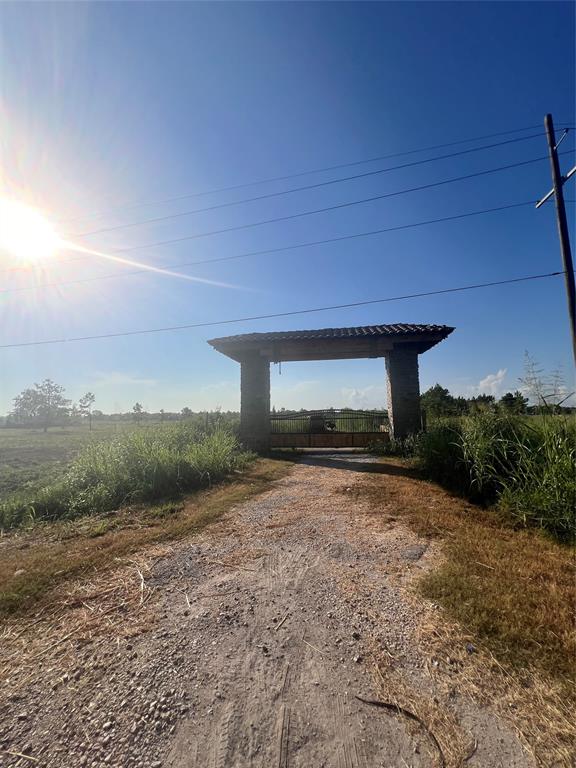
(332, 428)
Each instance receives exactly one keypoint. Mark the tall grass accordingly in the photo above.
(525, 465)
(144, 465)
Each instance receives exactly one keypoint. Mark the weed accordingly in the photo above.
(160, 511)
(99, 529)
(525, 465)
(139, 466)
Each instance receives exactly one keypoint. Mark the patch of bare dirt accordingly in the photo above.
(265, 642)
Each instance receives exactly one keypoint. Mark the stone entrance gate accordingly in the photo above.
(398, 344)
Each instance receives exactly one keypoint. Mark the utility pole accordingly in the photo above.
(557, 183)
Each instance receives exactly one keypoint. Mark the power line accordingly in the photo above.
(286, 177)
(268, 251)
(185, 238)
(337, 206)
(279, 314)
(218, 206)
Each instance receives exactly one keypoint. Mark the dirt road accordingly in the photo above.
(267, 628)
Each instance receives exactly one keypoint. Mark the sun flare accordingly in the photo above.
(26, 235)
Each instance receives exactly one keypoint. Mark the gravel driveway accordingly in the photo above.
(268, 627)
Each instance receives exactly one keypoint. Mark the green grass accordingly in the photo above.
(29, 457)
(138, 465)
(526, 467)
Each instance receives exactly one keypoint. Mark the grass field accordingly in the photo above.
(30, 457)
(75, 474)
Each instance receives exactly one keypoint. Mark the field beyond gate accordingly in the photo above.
(328, 429)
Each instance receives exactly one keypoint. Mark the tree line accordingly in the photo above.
(540, 392)
(437, 402)
(45, 405)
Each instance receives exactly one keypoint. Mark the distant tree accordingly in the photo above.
(482, 403)
(26, 406)
(514, 402)
(43, 405)
(437, 401)
(162, 414)
(85, 406)
(461, 405)
(137, 411)
(186, 412)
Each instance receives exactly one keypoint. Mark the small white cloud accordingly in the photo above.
(364, 397)
(492, 384)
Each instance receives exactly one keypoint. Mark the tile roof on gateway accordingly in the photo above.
(373, 331)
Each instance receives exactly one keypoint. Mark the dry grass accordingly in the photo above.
(512, 589)
(511, 593)
(434, 713)
(112, 605)
(538, 705)
(33, 564)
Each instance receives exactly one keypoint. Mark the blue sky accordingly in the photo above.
(105, 105)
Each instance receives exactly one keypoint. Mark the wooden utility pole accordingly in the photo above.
(557, 191)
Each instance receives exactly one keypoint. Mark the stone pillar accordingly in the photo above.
(403, 393)
(255, 402)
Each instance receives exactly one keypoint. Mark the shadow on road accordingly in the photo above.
(353, 462)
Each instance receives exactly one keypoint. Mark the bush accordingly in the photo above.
(526, 465)
(403, 448)
(145, 465)
(541, 489)
(440, 456)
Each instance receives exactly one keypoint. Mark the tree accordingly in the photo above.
(460, 405)
(137, 410)
(26, 405)
(85, 406)
(43, 405)
(482, 403)
(514, 402)
(186, 412)
(437, 401)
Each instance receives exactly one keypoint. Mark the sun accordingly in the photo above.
(26, 234)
